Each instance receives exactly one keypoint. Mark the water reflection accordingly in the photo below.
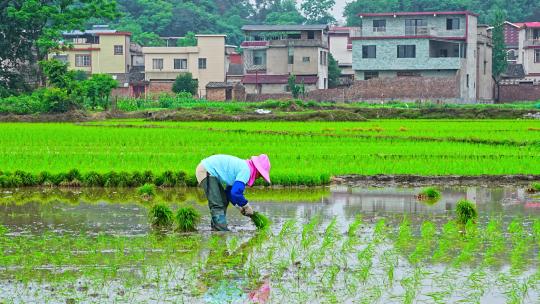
(123, 212)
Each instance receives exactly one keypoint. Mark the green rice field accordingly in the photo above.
(300, 152)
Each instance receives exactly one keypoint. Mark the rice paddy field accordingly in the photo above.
(325, 244)
(301, 152)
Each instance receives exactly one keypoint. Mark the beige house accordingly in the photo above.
(103, 51)
(341, 49)
(484, 53)
(274, 52)
(529, 50)
(206, 62)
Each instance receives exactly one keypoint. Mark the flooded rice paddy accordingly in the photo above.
(326, 245)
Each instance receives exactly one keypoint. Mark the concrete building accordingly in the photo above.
(424, 45)
(206, 62)
(341, 49)
(529, 50)
(102, 50)
(273, 52)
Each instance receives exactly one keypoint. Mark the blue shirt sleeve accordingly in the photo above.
(235, 194)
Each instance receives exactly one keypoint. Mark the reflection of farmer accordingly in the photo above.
(235, 173)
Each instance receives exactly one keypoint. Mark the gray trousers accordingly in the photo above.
(217, 202)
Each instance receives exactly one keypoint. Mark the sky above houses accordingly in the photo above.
(338, 10)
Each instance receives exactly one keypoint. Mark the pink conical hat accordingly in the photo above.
(262, 163)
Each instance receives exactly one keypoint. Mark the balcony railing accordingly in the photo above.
(404, 31)
(532, 42)
(299, 42)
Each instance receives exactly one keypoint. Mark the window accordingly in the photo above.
(443, 53)
(408, 74)
(511, 55)
(82, 61)
(369, 51)
(294, 36)
(119, 50)
(63, 58)
(468, 80)
(180, 64)
(406, 51)
(370, 75)
(379, 25)
(415, 27)
(202, 63)
(157, 64)
(306, 59)
(259, 57)
(452, 24)
(291, 55)
(311, 35)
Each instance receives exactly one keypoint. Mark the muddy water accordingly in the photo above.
(71, 213)
(123, 212)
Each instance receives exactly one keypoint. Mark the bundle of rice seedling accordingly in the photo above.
(147, 190)
(187, 219)
(429, 193)
(160, 216)
(260, 220)
(466, 211)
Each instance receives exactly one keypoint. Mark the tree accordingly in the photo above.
(188, 40)
(98, 89)
(185, 83)
(284, 12)
(499, 63)
(334, 72)
(295, 89)
(30, 29)
(318, 11)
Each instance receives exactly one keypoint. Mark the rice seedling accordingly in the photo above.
(260, 220)
(429, 195)
(160, 216)
(534, 187)
(466, 211)
(187, 219)
(147, 190)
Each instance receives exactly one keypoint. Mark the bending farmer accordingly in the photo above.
(235, 173)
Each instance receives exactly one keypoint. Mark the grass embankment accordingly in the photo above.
(301, 153)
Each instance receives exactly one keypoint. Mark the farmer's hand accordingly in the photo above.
(246, 210)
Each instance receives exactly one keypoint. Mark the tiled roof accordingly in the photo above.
(218, 85)
(514, 71)
(277, 79)
(531, 24)
(235, 69)
(416, 13)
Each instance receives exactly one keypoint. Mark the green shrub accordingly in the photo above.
(466, 211)
(260, 220)
(185, 83)
(147, 190)
(160, 215)
(187, 219)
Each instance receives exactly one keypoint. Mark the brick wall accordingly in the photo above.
(158, 87)
(415, 88)
(519, 92)
(121, 92)
(216, 94)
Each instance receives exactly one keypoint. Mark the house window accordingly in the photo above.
(82, 61)
(369, 51)
(157, 64)
(180, 64)
(452, 24)
(408, 74)
(415, 27)
(311, 35)
(443, 53)
(119, 50)
(468, 80)
(291, 55)
(537, 55)
(370, 75)
(202, 63)
(406, 51)
(379, 25)
(63, 58)
(294, 36)
(306, 59)
(259, 57)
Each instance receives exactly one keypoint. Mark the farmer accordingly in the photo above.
(235, 173)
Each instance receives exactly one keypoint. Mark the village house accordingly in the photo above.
(341, 49)
(102, 50)
(529, 49)
(274, 52)
(434, 47)
(206, 62)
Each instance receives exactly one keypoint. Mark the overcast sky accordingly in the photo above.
(338, 9)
